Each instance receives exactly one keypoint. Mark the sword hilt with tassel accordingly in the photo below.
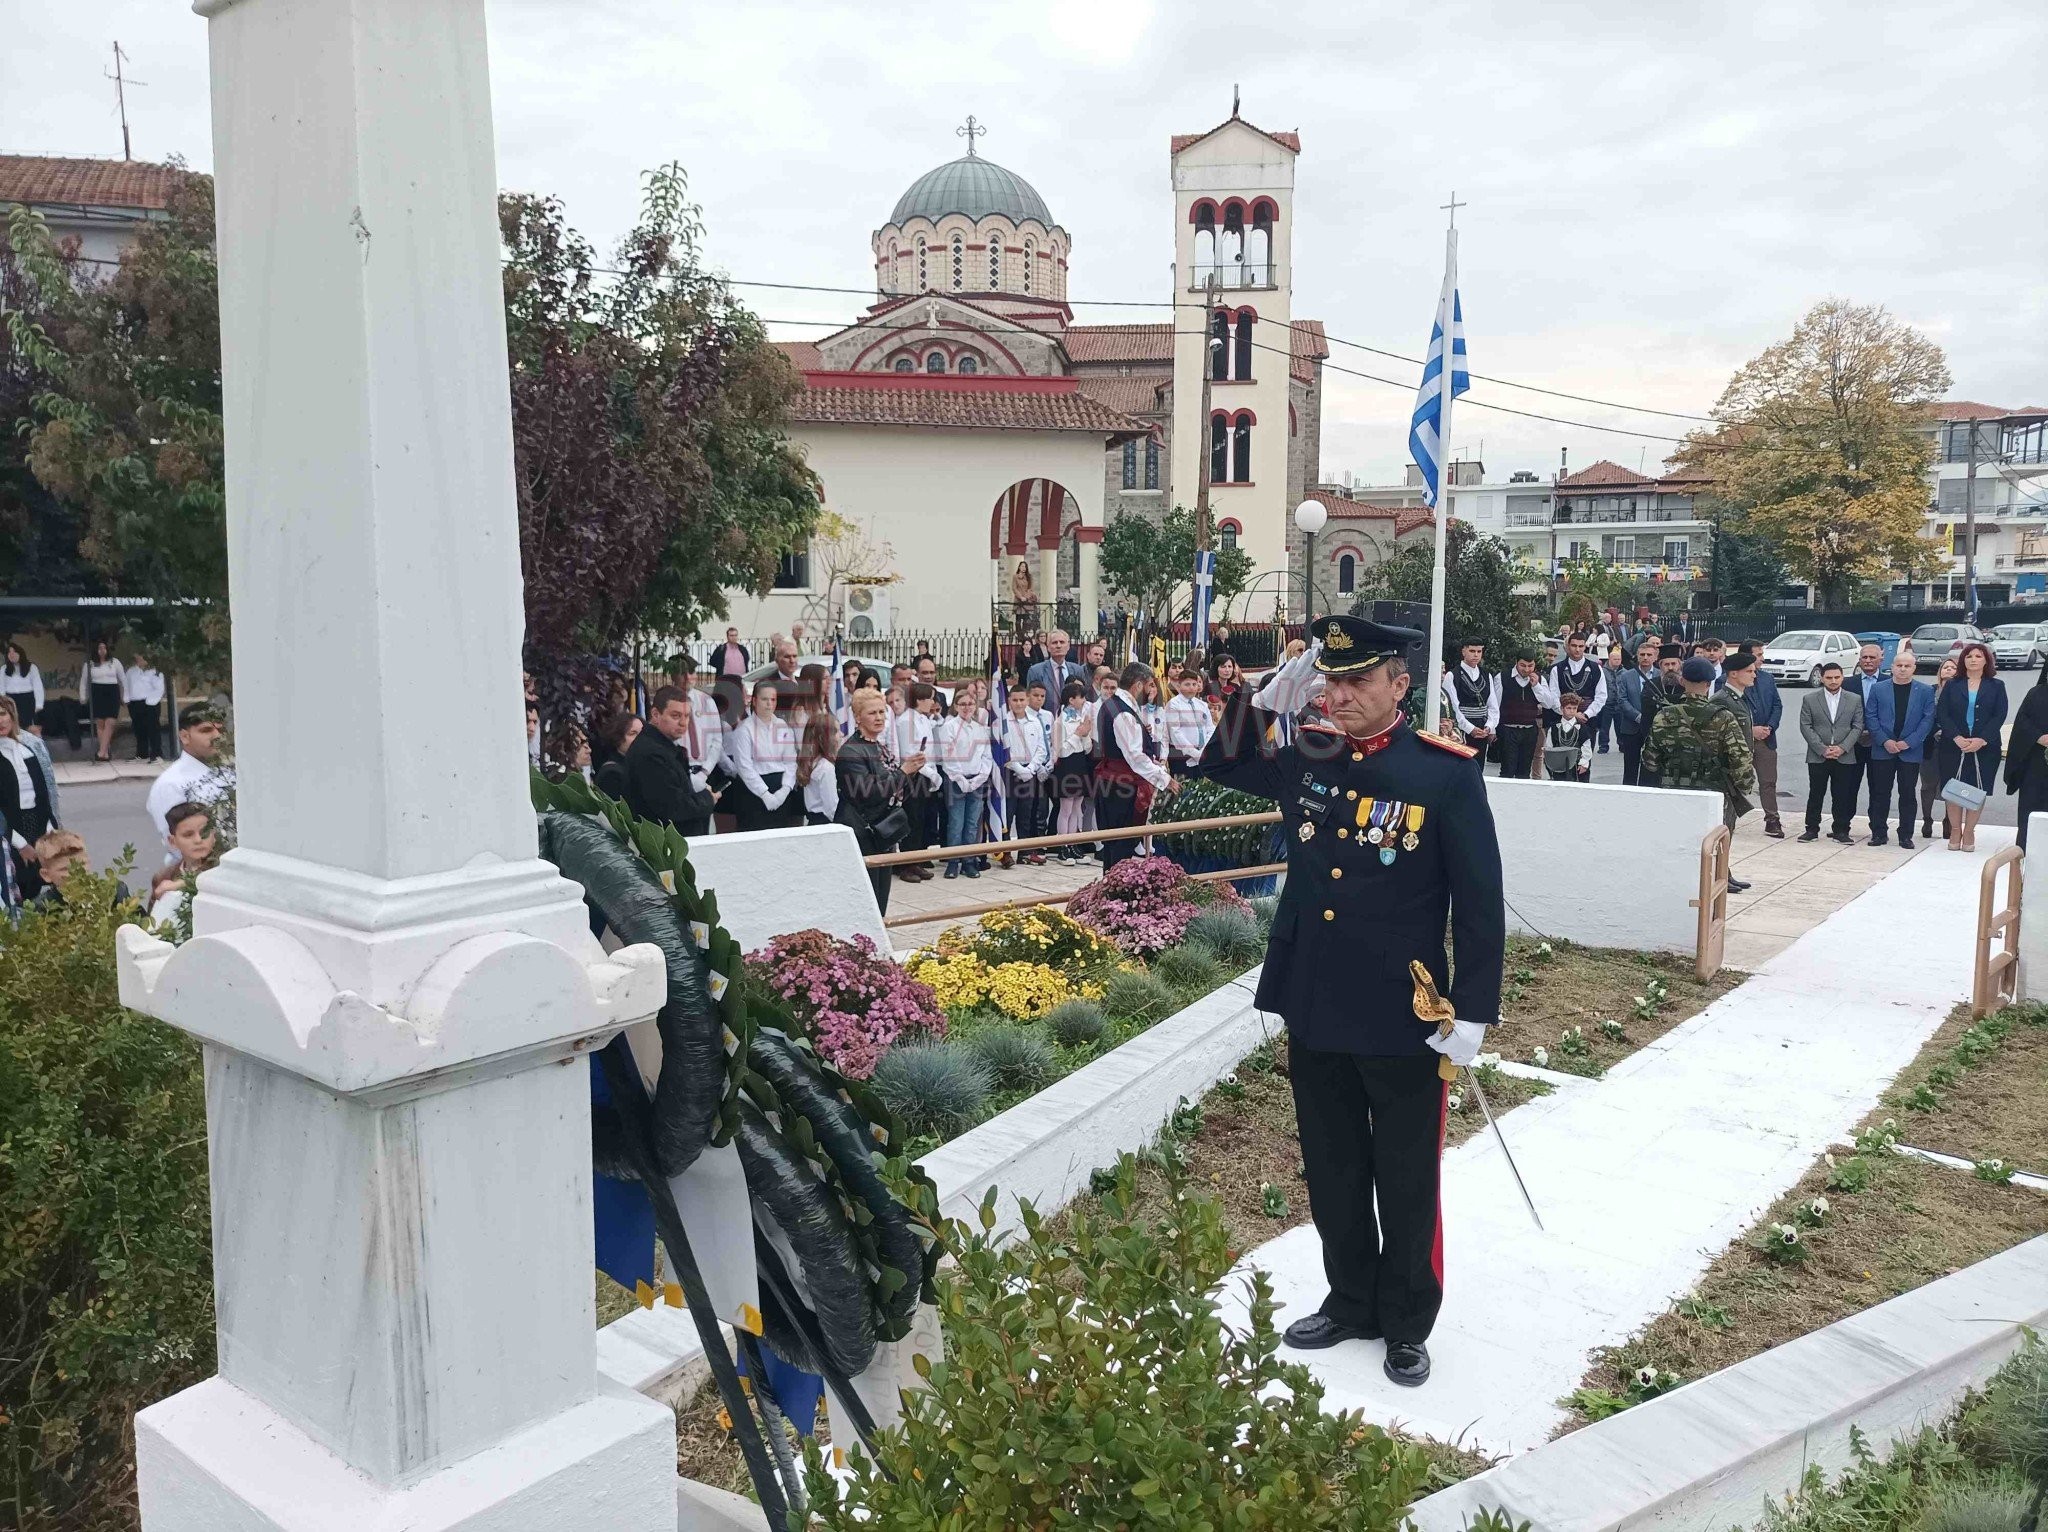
(1432, 1007)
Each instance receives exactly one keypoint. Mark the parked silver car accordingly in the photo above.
(1934, 642)
(2019, 645)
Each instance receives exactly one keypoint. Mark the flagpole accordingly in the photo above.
(1433, 692)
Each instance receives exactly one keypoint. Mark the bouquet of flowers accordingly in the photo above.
(1144, 904)
(853, 1001)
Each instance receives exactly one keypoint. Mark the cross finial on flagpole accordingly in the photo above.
(974, 130)
(1451, 206)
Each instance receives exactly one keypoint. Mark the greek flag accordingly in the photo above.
(1425, 430)
(1205, 589)
(839, 688)
(999, 709)
(1131, 655)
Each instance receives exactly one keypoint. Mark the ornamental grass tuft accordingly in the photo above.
(1140, 997)
(1232, 934)
(1190, 968)
(934, 1087)
(1076, 1023)
(1015, 1058)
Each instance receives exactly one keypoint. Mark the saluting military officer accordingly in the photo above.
(1390, 839)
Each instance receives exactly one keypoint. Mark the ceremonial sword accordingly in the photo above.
(1432, 1007)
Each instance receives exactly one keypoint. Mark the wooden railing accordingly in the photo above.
(1712, 903)
(1079, 838)
(1996, 979)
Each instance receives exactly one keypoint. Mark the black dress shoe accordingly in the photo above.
(1905, 843)
(1844, 837)
(1880, 839)
(1737, 886)
(1809, 835)
(1317, 1332)
(1775, 831)
(1407, 1363)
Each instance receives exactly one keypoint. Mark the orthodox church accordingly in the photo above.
(966, 423)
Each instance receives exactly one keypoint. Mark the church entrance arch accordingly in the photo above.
(1033, 587)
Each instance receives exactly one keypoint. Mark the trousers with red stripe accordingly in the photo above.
(1372, 1134)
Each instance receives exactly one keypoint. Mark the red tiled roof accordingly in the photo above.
(1602, 472)
(50, 181)
(1965, 409)
(833, 399)
(1292, 141)
(1136, 394)
(1088, 343)
(1406, 518)
(802, 354)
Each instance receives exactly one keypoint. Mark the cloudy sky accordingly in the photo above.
(1656, 191)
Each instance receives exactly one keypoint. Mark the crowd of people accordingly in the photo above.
(91, 701)
(1058, 742)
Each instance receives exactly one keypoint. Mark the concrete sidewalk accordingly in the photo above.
(1644, 1177)
(83, 773)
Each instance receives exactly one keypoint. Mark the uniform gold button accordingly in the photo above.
(1353, 793)
(1336, 872)
(1343, 834)
(1329, 914)
(1357, 755)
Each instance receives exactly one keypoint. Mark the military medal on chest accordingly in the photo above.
(1413, 820)
(1306, 832)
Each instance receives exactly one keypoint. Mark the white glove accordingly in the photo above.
(1294, 685)
(1462, 1046)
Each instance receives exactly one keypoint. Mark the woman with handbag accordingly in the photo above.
(1970, 712)
(2026, 769)
(871, 783)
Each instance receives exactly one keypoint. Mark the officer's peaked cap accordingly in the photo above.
(1352, 645)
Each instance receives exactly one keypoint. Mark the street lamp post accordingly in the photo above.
(1309, 517)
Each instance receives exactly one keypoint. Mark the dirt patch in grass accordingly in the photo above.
(1891, 1224)
(1573, 986)
(1995, 1107)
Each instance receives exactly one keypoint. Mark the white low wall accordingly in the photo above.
(1608, 866)
(772, 882)
(1707, 1456)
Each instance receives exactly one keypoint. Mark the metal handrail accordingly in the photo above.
(1712, 903)
(966, 911)
(1078, 838)
(1995, 980)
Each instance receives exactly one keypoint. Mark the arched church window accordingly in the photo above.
(1245, 320)
(1347, 575)
(935, 362)
(1241, 451)
(1205, 240)
(995, 262)
(905, 364)
(1219, 345)
(924, 269)
(1230, 247)
(1030, 261)
(967, 364)
(959, 263)
(1226, 534)
(1219, 448)
(1258, 249)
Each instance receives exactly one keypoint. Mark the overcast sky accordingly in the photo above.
(1656, 191)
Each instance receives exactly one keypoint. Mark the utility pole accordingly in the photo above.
(1970, 529)
(1206, 436)
(121, 84)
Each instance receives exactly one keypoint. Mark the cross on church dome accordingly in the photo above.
(971, 132)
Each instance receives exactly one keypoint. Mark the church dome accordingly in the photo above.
(974, 187)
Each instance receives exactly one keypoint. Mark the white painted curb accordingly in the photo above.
(1707, 1456)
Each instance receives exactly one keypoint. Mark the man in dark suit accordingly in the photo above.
(659, 784)
(1056, 669)
(1898, 717)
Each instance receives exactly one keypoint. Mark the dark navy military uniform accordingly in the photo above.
(1389, 841)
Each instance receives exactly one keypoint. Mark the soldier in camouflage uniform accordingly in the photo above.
(1700, 743)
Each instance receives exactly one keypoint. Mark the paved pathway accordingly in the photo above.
(1644, 1177)
(1055, 880)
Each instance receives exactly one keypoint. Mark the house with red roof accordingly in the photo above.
(94, 207)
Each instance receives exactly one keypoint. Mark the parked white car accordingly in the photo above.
(1796, 658)
(2018, 645)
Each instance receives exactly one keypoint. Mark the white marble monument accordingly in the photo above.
(395, 993)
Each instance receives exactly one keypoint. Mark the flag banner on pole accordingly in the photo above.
(1425, 431)
(998, 815)
(1205, 589)
(1131, 655)
(839, 688)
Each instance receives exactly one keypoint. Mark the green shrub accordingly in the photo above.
(2009, 1425)
(933, 1087)
(1233, 935)
(1141, 997)
(1977, 1508)
(1265, 907)
(1014, 1058)
(1076, 1023)
(1088, 1380)
(105, 1239)
(1188, 968)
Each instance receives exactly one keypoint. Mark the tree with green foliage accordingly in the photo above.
(125, 429)
(1748, 574)
(1151, 563)
(1817, 443)
(1480, 574)
(106, 1291)
(1591, 586)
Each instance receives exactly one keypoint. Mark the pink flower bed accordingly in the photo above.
(1144, 903)
(853, 1001)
